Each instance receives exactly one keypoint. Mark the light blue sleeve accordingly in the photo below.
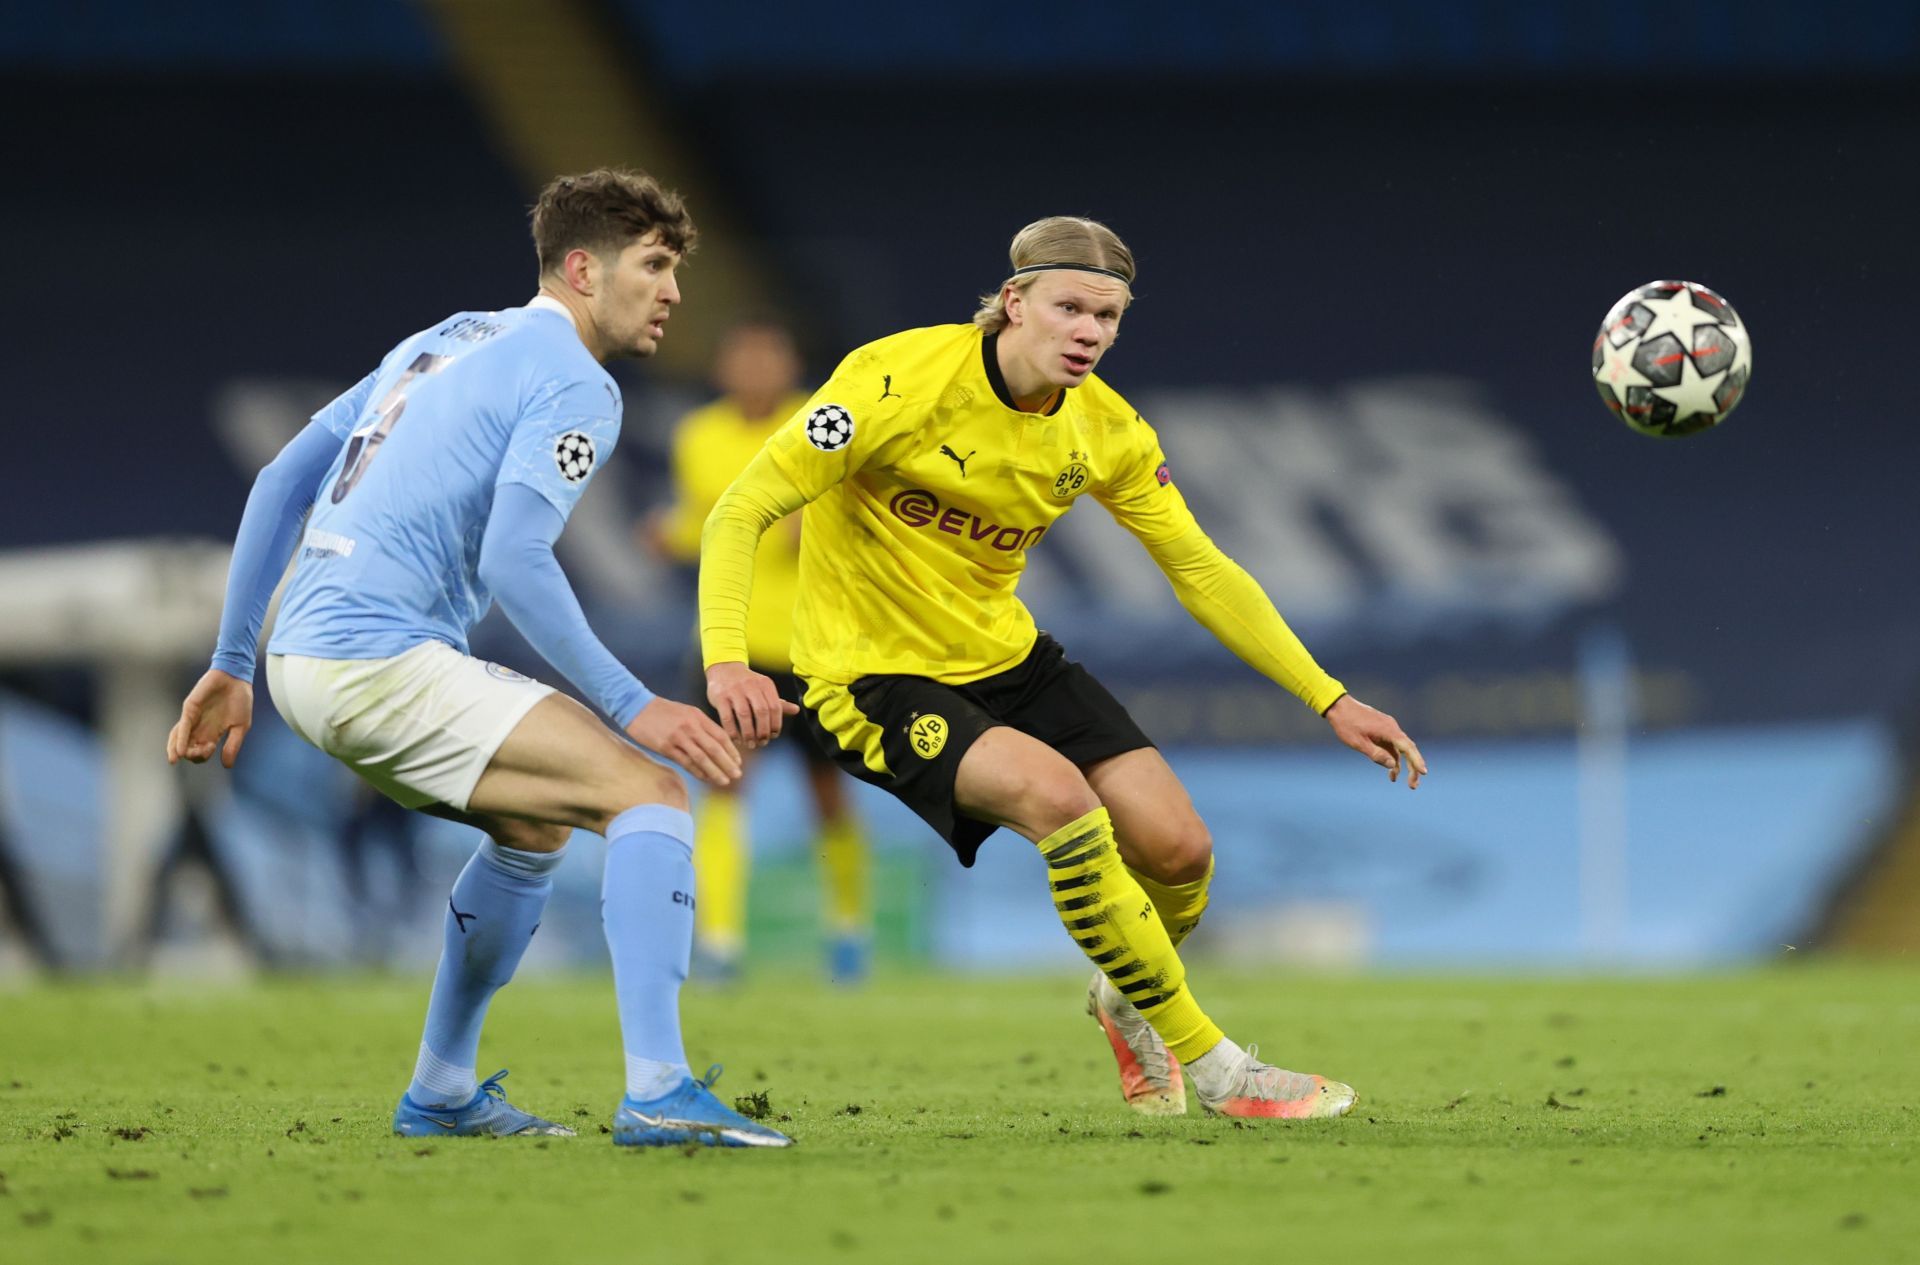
(517, 563)
(561, 441)
(345, 411)
(282, 494)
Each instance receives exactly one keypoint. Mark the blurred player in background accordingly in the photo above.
(757, 369)
(929, 463)
(438, 485)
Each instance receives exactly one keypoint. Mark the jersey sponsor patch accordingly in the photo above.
(573, 453)
(830, 428)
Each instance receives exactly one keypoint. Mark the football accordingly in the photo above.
(1672, 359)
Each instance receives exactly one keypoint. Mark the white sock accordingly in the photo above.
(650, 1078)
(446, 1084)
(1215, 1073)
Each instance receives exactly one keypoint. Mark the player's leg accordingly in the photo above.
(1013, 779)
(845, 867)
(555, 768)
(723, 862)
(1161, 837)
(1168, 851)
(561, 764)
(492, 913)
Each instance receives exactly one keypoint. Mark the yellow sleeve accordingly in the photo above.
(843, 427)
(1214, 588)
(759, 498)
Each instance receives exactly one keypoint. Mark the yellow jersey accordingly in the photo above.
(711, 446)
(924, 489)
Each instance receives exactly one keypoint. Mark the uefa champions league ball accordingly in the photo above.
(1672, 359)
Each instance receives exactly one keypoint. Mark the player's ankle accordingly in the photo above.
(1214, 1073)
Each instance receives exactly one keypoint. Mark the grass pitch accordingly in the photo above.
(1764, 1116)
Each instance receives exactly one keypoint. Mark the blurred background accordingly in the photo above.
(1666, 688)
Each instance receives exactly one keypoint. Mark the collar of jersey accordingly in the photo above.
(990, 361)
(547, 303)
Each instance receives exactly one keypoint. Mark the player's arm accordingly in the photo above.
(517, 564)
(746, 702)
(1230, 604)
(823, 443)
(222, 701)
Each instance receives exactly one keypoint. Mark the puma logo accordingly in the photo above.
(886, 388)
(459, 918)
(958, 460)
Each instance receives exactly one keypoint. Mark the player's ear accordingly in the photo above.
(1013, 301)
(581, 269)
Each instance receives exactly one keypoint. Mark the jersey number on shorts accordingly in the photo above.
(370, 434)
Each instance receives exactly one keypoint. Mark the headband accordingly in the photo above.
(1104, 272)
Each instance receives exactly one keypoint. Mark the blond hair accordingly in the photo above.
(1061, 240)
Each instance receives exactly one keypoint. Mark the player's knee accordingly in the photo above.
(1173, 850)
(1188, 852)
(530, 836)
(652, 783)
(1057, 797)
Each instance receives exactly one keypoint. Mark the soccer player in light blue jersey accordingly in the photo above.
(438, 485)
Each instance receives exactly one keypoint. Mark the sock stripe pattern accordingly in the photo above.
(1114, 922)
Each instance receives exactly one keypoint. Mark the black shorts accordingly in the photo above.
(790, 688)
(906, 734)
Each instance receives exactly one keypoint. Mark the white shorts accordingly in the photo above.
(421, 727)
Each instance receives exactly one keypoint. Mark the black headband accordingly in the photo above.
(1104, 272)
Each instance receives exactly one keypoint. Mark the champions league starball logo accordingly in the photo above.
(573, 454)
(830, 428)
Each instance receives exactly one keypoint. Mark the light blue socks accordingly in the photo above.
(491, 917)
(646, 906)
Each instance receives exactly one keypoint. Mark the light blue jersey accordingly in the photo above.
(390, 556)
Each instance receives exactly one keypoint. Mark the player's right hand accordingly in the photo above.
(747, 703)
(687, 737)
(1377, 736)
(218, 705)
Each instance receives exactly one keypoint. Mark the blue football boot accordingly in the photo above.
(689, 1114)
(489, 1114)
(848, 959)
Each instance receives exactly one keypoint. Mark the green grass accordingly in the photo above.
(1764, 1116)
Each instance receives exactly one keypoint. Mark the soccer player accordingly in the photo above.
(757, 369)
(929, 463)
(439, 484)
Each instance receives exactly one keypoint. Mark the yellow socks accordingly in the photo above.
(721, 861)
(1180, 906)
(843, 870)
(1111, 918)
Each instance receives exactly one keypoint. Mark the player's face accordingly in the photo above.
(635, 295)
(1064, 323)
(756, 362)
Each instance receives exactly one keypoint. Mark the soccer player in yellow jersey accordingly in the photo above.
(757, 369)
(929, 463)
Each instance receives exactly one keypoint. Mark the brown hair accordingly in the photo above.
(1058, 239)
(605, 211)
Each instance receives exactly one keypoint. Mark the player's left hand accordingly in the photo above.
(219, 705)
(1377, 736)
(689, 738)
